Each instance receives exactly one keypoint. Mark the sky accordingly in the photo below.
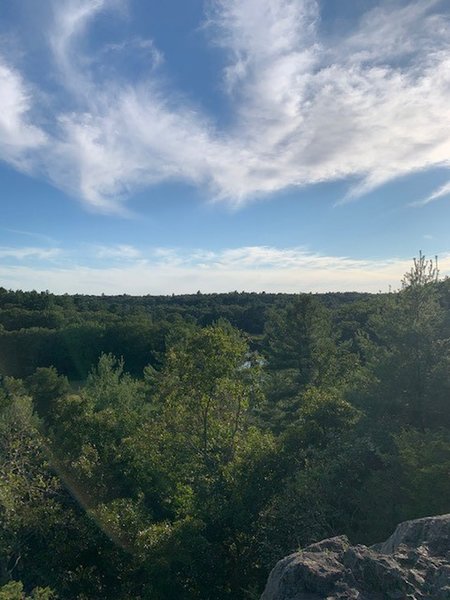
(152, 147)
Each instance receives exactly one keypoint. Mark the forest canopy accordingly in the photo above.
(178, 446)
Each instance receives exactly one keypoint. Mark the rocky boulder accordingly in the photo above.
(413, 564)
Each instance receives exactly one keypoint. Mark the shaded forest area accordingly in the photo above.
(70, 332)
(177, 447)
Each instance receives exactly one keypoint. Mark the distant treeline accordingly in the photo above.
(70, 332)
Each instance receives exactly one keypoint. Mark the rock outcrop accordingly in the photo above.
(413, 564)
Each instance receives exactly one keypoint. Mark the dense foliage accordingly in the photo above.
(176, 447)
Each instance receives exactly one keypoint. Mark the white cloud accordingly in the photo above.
(18, 136)
(406, 29)
(371, 105)
(25, 253)
(119, 251)
(146, 47)
(168, 270)
(441, 192)
(33, 234)
(71, 19)
(313, 112)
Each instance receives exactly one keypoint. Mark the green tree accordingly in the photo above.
(301, 351)
(206, 390)
(14, 591)
(46, 387)
(29, 493)
(88, 437)
(323, 417)
(412, 483)
(409, 352)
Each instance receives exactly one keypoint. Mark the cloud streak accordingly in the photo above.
(168, 270)
(119, 251)
(370, 105)
(27, 253)
(441, 192)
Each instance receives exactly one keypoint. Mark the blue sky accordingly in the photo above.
(278, 145)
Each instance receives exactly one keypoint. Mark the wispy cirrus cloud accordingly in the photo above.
(19, 137)
(135, 45)
(33, 234)
(369, 104)
(28, 252)
(118, 251)
(440, 192)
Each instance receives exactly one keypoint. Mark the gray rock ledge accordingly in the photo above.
(413, 564)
